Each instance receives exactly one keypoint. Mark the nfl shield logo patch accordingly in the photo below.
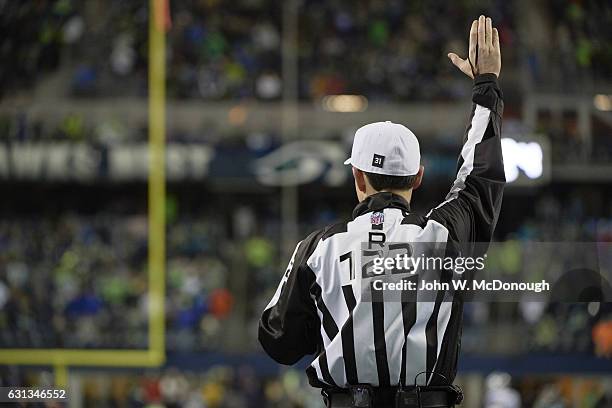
(377, 218)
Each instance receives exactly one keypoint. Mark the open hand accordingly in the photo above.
(484, 54)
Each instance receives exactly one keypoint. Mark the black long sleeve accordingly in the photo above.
(472, 206)
(287, 324)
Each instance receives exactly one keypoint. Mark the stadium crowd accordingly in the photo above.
(94, 269)
(240, 387)
(221, 269)
(574, 52)
(226, 50)
(396, 50)
(73, 279)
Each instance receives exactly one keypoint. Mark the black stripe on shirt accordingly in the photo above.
(348, 339)
(431, 329)
(329, 325)
(408, 319)
(325, 369)
(451, 343)
(431, 334)
(380, 344)
(313, 378)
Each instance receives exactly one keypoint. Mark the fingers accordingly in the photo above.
(496, 40)
(489, 32)
(455, 59)
(481, 33)
(462, 64)
(473, 42)
(483, 49)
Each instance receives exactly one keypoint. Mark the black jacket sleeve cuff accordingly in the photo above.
(483, 78)
(487, 93)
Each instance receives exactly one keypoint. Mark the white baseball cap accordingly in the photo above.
(385, 148)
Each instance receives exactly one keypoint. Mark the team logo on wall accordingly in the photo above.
(301, 162)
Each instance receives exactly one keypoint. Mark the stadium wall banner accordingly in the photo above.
(66, 161)
(294, 163)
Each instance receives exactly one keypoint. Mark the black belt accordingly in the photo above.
(365, 396)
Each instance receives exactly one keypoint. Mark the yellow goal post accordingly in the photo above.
(155, 354)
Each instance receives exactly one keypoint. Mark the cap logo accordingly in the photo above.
(378, 161)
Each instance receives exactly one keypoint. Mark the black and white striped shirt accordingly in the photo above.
(317, 308)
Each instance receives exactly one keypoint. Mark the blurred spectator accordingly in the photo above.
(220, 50)
(232, 50)
(94, 271)
(393, 51)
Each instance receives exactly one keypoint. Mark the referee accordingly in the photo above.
(383, 354)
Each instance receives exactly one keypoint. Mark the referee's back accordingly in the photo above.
(318, 306)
